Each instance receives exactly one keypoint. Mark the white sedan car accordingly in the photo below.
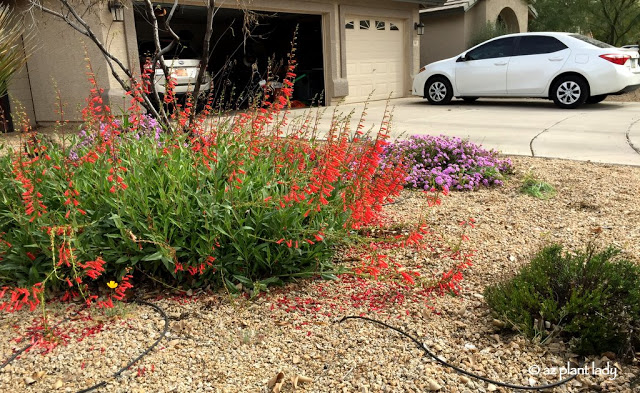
(182, 62)
(570, 69)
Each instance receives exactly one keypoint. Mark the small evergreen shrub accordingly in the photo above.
(451, 163)
(590, 298)
(487, 32)
(537, 188)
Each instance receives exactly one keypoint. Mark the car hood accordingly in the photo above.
(439, 63)
(180, 63)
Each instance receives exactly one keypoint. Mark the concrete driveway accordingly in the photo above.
(608, 132)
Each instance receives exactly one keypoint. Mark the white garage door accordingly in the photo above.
(375, 58)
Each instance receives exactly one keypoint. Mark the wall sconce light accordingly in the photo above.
(419, 27)
(117, 10)
(159, 11)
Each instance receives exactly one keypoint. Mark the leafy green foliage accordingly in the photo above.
(537, 188)
(591, 298)
(616, 22)
(487, 32)
(176, 214)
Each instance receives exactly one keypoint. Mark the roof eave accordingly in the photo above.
(449, 9)
(425, 3)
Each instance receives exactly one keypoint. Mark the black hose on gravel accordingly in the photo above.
(144, 353)
(123, 369)
(456, 368)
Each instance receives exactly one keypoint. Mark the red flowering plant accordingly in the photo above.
(244, 198)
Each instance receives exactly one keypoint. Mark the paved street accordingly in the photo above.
(608, 132)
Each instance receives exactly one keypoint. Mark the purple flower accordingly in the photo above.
(148, 128)
(447, 162)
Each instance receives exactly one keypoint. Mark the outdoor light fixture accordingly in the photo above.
(419, 27)
(117, 10)
(159, 11)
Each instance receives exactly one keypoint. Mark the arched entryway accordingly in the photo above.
(509, 20)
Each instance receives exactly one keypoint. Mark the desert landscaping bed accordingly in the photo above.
(220, 343)
(633, 96)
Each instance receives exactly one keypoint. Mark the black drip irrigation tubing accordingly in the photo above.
(456, 368)
(123, 369)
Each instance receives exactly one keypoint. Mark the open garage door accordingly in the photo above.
(248, 50)
(375, 58)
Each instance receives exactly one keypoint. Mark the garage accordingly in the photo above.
(247, 49)
(374, 57)
(378, 49)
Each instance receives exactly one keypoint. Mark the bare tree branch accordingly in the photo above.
(159, 55)
(204, 62)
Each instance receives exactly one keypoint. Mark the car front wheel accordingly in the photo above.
(570, 92)
(438, 91)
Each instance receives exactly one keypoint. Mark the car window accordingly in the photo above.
(502, 47)
(591, 41)
(538, 44)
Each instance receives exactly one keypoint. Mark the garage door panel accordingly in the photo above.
(365, 68)
(382, 67)
(374, 58)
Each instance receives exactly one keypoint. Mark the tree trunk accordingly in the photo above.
(204, 61)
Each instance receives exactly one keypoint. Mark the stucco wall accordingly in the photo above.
(20, 95)
(494, 7)
(60, 59)
(475, 20)
(19, 88)
(448, 34)
(117, 44)
(444, 37)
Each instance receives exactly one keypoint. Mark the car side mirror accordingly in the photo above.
(462, 58)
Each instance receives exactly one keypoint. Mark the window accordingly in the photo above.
(393, 27)
(591, 41)
(350, 25)
(502, 47)
(380, 25)
(365, 24)
(537, 44)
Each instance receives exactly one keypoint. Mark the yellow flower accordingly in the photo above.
(112, 284)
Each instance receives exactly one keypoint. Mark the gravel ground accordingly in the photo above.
(634, 96)
(217, 343)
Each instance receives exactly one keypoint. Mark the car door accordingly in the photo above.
(536, 60)
(483, 70)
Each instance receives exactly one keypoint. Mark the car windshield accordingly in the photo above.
(591, 41)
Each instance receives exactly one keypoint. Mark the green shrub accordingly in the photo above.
(537, 188)
(229, 206)
(487, 32)
(590, 298)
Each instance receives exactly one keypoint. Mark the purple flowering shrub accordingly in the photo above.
(450, 163)
(147, 127)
